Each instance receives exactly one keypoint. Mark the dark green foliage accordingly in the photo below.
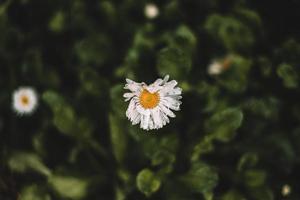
(175, 62)
(201, 178)
(147, 182)
(288, 75)
(223, 125)
(22, 162)
(236, 137)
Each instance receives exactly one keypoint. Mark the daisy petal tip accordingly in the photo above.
(166, 78)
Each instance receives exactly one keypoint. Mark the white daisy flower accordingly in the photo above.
(219, 66)
(151, 105)
(151, 11)
(286, 190)
(215, 68)
(24, 100)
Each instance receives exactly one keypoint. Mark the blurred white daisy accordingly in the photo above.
(151, 11)
(24, 100)
(286, 190)
(219, 66)
(151, 105)
(214, 68)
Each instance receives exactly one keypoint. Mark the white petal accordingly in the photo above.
(145, 121)
(171, 84)
(175, 91)
(130, 108)
(164, 117)
(156, 118)
(128, 96)
(167, 111)
(158, 82)
(153, 88)
(133, 86)
(129, 80)
(171, 103)
(151, 123)
(168, 87)
(166, 78)
(136, 117)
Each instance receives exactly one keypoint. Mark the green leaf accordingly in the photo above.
(57, 22)
(91, 82)
(175, 62)
(235, 78)
(186, 34)
(201, 178)
(163, 157)
(64, 119)
(64, 115)
(109, 10)
(118, 137)
(233, 195)
(254, 177)
(84, 128)
(165, 160)
(22, 162)
(230, 32)
(89, 49)
(289, 75)
(208, 196)
(52, 99)
(249, 17)
(142, 40)
(261, 193)
(166, 143)
(34, 192)
(3, 8)
(223, 125)
(38, 143)
(147, 182)
(248, 160)
(116, 96)
(69, 187)
(265, 66)
(265, 107)
(205, 146)
(120, 194)
(185, 39)
(283, 148)
(124, 175)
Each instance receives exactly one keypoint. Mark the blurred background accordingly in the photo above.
(236, 137)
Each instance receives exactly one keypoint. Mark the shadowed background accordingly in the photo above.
(236, 137)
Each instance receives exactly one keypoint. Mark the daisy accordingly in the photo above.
(215, 68)
(219, 66)
(151, 11)
(24, 100)
(151, 105)
(286, 190)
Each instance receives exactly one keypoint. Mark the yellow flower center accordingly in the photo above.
(24, 100)
(149, 100)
